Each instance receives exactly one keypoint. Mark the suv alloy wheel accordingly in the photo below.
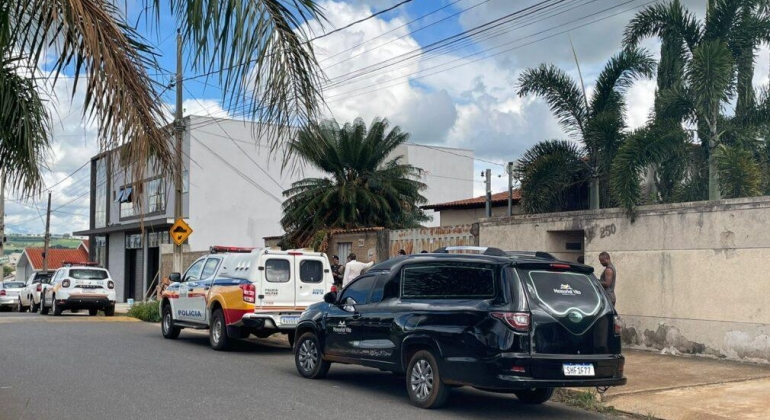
(57, 309)
(43, 309)
(423, 381)
(307, 357)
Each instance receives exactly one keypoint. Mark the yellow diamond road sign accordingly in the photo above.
(180, 231)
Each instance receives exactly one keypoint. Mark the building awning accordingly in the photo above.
(153, 224)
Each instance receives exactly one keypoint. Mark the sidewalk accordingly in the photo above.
(687, 388)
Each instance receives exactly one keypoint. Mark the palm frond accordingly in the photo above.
(270, 67)
(93, 42)
(663, 20)
(739, 173)
(710, 77)
(24, 138)
(562, 94)
(619, 74)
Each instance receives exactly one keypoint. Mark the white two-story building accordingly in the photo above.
(232, 195)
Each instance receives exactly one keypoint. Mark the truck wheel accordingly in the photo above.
(34, 307)
(167, 324)
(93, 312)
(43, 309)
(57, 309)
(308, 358)
(109, 311)
(290, 336)
(423, 381)
(534, 396)
(218, 331)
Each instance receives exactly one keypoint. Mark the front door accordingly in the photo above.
(377, 342)
(184, 305)
(197, 292)
(310, 285)
(343, 321)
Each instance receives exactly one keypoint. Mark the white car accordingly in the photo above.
(36, 282)
(10, 296)
(79, 287)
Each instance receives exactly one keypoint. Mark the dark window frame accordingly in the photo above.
(320, 280)
(486, 267)
(267, 273)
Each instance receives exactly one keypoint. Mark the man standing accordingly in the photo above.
(336, 271)
(609, 276)
(354, 268)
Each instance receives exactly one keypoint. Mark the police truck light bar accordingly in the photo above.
(218, 249)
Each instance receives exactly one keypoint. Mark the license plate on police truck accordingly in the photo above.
(289, 320)
(578, 369)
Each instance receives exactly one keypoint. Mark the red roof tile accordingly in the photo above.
(476, 202)
(56, 257)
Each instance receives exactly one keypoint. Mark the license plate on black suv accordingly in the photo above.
(578, 369)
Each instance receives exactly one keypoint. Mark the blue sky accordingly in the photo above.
(446, 97)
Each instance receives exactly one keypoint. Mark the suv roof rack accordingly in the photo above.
(531, 254)
(484, 250)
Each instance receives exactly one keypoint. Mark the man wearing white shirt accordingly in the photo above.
(354, 268)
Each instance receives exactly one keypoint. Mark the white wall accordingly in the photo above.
(227, 209)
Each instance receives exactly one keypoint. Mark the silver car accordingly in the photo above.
(10, 295)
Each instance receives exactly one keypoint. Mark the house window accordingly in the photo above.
(100, 193)
(126, 200)
(134, 241)
(156, 196)
(343, 250)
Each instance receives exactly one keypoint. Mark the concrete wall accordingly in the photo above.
(692, 278)
(23, 268)
(414, 241)
(116, 262)
(452, 217)
(361, 243)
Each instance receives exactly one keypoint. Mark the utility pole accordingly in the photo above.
(47, 238)
(510, 188)
(2, 214)
(178, 130)
(488, 181)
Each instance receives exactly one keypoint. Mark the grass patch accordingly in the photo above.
(145, 311)
(585, 400)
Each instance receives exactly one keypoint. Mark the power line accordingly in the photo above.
(409, 77)
(438, 149)
(210, 73)
(373, 15)
(402, 36)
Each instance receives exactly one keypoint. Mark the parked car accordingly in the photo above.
(518, 324)
(10, 296)
(236, 292)
(34, 288)
(79, 286)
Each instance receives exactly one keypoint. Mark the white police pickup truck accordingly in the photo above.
(235, 292)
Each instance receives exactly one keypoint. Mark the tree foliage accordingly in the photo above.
(362, 186)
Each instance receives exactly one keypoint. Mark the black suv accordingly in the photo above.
(523, 323)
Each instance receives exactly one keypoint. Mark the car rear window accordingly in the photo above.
(559, 292)
(83, 274)
(42, 278)
(13, 285)
(448, 281)
(311, 271)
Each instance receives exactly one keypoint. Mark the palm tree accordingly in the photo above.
(257, 48)
(713, 61)
(362, 188)
(597, 122)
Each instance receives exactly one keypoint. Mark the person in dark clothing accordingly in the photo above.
(336, 271)
(609, 276)
(401, 252)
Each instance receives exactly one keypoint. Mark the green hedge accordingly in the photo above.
(146, 311)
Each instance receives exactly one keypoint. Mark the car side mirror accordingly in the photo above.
(175, 277)
(330, 297)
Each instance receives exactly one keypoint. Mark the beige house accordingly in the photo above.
(471, 210)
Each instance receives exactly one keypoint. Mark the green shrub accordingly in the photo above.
(145, 311)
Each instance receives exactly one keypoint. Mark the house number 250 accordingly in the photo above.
(606, 231)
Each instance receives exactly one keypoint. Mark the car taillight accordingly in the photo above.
(110, 284)
(519, 321)
(2, 292)
(39, 287)
(65, 283)
(618, 325)
(249, 292)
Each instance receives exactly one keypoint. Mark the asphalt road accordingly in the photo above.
(77, 367)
